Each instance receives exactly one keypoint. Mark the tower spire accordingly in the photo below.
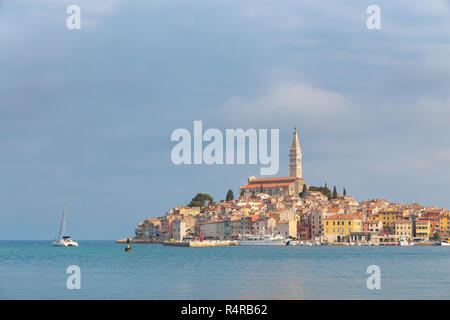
(295, 157)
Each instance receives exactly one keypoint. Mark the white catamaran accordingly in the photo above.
(63, 240)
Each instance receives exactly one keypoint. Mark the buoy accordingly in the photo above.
(128, 248)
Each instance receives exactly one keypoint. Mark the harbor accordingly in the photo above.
(193, 243)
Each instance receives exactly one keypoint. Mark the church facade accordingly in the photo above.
(291, 185)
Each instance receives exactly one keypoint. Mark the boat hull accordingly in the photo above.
(264, 242)
(62, 243)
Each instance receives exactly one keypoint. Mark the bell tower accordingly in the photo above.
(295, 157)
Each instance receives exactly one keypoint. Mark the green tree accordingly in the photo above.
(200, 200)
(242, 193)
(305, 188)
(230, 195)
(436, 236)
(344, 192)
(261, 190)
(334, 193)
(324, 190)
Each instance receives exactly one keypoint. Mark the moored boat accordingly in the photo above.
(263, 240)
(64, 240)
(405, 243)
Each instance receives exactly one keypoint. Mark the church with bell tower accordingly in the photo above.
(291, 185)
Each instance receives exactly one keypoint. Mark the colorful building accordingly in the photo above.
(444, 224)
(389, 217)
(404, 229)
(337, 228)
(423, 229)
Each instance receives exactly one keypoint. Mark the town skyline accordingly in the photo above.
(287, 207)
(82, 121)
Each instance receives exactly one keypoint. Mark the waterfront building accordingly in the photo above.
(373, 226)
(148, 229)
(444, 224)
(423, 229)
(304, 231)
(213, 229)
(389, 217)
(317, 216)
(167, 227)
(247, 224)
(337, 228)
(260, 226)
(434, 218)
(287, 228)
(179, 230)
(404, 229)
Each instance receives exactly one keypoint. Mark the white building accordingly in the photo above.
(179, 230)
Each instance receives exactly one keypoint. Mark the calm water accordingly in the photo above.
(36, 270)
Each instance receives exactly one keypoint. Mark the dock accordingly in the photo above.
(201, 244)
(193, 243)
(134, 240)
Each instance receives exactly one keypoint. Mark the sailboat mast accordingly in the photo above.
(63, 223)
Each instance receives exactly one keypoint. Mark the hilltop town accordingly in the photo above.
(287, 206)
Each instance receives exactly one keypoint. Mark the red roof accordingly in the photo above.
(274, 179)
(267, 185)
(346, 216)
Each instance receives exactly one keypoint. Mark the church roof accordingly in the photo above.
(274, 180)
(271, 182)
(266, 185)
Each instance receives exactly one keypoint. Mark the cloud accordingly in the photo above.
(287, 103)
(92, 12)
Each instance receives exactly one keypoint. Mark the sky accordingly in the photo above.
(86, 115)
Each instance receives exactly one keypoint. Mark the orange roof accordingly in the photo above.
(274, 179)
(403, 221)
(345, 216)
(267, 185)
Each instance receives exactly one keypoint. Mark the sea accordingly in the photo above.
(36, 270)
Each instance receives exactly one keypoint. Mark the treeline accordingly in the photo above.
(204, 200)
(324, 190)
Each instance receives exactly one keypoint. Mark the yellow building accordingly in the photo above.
(403, 229)
(373, 218)
(338, 227)
(444, 227)
(186, 211)
(389, 217)
(423, 229)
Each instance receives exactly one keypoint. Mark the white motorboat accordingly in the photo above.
(264, 240)
(445, 243)
(405, 243)
(63, 240)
